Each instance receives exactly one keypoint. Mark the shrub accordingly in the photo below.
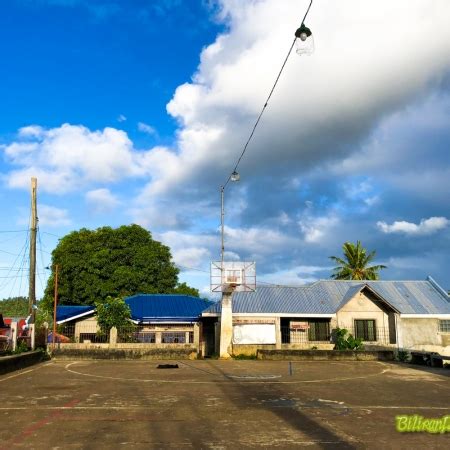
(344, 342)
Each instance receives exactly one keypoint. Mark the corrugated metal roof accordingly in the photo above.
(64, 312)
(170, 307)
(150, 307)
(328, 296)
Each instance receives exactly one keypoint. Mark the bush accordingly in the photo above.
(243, 356)
(21, 347)
(344, 342)
(402, 356)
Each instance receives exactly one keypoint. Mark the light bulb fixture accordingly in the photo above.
(305, 40)
(235, 176)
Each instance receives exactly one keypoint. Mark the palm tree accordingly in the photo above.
(355, 265)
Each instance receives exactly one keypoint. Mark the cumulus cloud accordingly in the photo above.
(102, 200)
(352, 133)
(316, 229)
(70, 156)
(49, 216)
(426, 226)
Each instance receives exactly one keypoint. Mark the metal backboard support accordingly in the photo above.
(233, 276)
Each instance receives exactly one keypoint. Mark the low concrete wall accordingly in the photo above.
(325, 355)
(250, 349)
(20, 361)
(144, 352)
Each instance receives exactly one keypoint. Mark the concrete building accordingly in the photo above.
(160, 319)
(410, 315)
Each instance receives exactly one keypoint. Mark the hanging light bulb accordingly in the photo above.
(305, 40)
(235, 176)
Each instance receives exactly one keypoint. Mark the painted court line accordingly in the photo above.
(146, 408)
(25, 372)
(225, 378)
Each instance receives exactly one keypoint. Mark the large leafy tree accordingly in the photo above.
(95, 264)
(112, 312)
(355, 264)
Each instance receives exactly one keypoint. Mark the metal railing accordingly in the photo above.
(83, 334)
(375, 336)
(372, 336)
(153, 335)
(304, 336)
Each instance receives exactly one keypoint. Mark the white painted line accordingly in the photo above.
(224, 378)
(146, 408)
(24, 372)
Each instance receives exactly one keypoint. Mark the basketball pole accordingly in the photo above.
(222, 220)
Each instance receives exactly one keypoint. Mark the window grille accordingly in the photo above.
(444, 326)
(319, 331)
(173, 338)
(366, 330)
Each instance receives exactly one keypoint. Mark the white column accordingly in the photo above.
(113, 337)
(197, 336)
(226, 326)
(14, 335)
(277, 333)
(33, 335)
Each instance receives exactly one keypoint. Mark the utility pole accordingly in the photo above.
(54, 307)
(33, 232)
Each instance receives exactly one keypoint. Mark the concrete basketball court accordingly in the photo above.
(219, 405)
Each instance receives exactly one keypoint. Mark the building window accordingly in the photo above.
(444, 326)
(365, 329)
(319, 331)
(146, 337)
(173, 338)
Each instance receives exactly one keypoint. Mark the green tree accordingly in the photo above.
(355, 266)
(184, 289)
(95, 264)
(14, 307)
(112, 312)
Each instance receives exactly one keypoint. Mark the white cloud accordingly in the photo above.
(121, 118)
(295, 276)
(102, 200)
(317, 229)
(145, 128)
(32, 131)
(426, 226)
(191, 257)
(51, 216)
(70, 156)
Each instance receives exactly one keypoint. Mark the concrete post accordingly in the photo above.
(32, 335)
(158, 337)
(113, 337)
(14, 336)
(197, 336)
(277, 333)
(226, 326)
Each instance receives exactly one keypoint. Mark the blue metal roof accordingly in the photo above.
(64, 312)
(170, 307)
(328, 296)
(150, 308)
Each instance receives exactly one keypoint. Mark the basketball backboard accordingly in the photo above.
(233, 276)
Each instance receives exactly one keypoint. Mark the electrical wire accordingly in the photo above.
(266, 103)
(42, 258)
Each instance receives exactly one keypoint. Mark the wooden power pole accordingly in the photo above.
(33, 232)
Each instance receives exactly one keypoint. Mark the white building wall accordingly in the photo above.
(422, 334)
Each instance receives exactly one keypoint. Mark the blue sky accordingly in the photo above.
(136, 111)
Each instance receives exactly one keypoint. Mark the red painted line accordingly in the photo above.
(41, 423)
